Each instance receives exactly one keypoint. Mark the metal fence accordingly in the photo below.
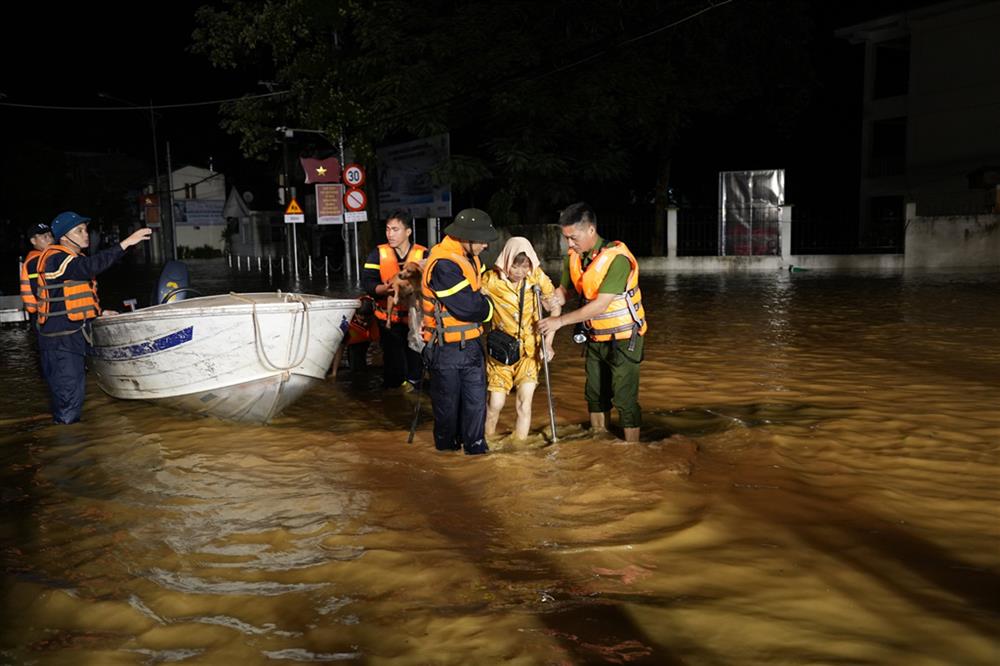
(698, 231)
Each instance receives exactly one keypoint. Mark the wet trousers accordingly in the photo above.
(458, 396)
(400, 363)
(66, 375)
(613, 379)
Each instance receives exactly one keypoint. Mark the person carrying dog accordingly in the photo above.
(400, 363)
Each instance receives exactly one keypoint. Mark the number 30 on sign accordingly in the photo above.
(354, 175)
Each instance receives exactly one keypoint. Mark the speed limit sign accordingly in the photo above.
(354, 175)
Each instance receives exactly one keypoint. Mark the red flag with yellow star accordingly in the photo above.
(321, 171)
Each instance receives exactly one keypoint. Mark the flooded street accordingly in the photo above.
(818, 483)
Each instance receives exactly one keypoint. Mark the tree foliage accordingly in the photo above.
(541, 99)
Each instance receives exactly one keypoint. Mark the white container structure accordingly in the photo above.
(242, 357)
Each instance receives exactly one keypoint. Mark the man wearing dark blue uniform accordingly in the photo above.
(67, 301)
(454, 310)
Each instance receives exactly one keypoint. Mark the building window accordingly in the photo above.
(892, 68)
(888, 152)
(191, 191)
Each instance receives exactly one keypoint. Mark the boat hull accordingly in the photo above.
(243, 357)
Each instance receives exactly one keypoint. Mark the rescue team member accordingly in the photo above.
(606, 276)
(67, 301)
(400, 363)
(40, 237)
(359, 333)
(455, 309)
(510, 286)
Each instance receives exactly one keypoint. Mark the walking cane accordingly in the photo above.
(416, 418)
(416, 411)
(545, 362)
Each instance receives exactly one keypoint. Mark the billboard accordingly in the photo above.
(404, 177)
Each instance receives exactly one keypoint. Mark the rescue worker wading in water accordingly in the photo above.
(606, 275)
(400, 363)
(455, 309)
(40, 237)
(67, 301)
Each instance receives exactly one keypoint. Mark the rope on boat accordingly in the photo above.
(303, 332)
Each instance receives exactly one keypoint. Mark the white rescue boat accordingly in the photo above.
(243, 357)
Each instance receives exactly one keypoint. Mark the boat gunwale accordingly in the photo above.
(190, 308)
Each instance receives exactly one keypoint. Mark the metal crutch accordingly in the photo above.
(545, 362)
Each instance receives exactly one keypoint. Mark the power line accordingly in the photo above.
(144, 108)
(525, 77)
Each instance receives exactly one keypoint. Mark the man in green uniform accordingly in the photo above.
(606, 276)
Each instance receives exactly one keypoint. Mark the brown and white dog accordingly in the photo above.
(404, 288)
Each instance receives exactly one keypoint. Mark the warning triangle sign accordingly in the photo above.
(293, 208)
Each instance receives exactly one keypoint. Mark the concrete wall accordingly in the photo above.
(956, 241)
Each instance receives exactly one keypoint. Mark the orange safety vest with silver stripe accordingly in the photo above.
(75, 299)
(29, 280)
(439, 326)
(388, 267)
(624, 316)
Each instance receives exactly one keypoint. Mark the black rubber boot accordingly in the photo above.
(477, 448)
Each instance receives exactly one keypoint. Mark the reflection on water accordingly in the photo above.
(818, 483)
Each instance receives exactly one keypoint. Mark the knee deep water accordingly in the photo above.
(817, 483)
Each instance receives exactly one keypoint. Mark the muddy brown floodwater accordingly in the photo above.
(818, 484)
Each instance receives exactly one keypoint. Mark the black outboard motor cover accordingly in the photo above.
(173, 284)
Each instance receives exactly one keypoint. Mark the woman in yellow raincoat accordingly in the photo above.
(515, 269)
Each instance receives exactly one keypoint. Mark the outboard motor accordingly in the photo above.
(173, 284)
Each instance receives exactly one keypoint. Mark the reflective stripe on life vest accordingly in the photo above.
(29, 281)
(439, 326)
(388, 267)
(75, 299)
(625, 316)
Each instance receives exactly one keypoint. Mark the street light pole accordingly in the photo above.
(158, 191)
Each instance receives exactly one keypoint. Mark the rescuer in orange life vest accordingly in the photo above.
(40, 237)
(606, 276)
(67, 301)
(400, 363)
(455, 309)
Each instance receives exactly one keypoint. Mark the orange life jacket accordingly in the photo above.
(75, 299)
(388, 267)
(29, 280)
(439, 326)
(624, 317)
(358, 331)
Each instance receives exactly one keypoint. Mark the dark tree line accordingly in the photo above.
(544, 102)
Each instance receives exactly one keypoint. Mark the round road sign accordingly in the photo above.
(354, 175)
(355, 199)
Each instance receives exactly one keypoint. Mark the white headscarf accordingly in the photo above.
(515, 246)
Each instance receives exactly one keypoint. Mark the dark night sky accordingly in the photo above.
(66, 57)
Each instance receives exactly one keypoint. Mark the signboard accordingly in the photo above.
(199, 212)
(406, 180)
(329, 204)
(150, 205)
(356, 216)
(354, 175)
(294, 214)
(355, 199)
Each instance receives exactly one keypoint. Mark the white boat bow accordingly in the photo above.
(243, 357)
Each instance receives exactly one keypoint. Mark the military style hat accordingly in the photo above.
(472, 225)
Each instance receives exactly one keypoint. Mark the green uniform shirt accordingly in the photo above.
(615, 282)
